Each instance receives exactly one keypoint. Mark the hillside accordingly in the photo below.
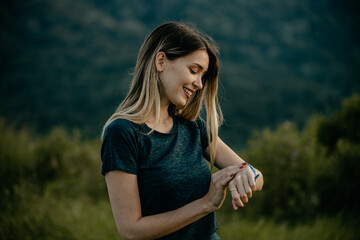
(69, 63)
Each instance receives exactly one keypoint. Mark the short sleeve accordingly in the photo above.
(203, 134)
(119, 150)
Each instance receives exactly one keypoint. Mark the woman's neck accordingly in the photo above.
(165, 123)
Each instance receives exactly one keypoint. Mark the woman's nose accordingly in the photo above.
(198, 83)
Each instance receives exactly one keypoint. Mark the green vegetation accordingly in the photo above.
(279, 61)
(51, 186)
(333, 228)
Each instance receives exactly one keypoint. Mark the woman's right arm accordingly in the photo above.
(125, 204)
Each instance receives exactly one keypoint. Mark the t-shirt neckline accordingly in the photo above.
(161, 134)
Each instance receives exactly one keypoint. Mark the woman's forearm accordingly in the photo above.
(126, 206)
(159, 225)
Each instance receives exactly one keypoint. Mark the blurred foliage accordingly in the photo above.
(321, 228)
(343, 125)
(310, 172)
(60, 67)
(51, 186)
(340, 135)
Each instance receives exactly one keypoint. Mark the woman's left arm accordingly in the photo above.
(240, 186)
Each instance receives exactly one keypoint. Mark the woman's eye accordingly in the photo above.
(192, 71)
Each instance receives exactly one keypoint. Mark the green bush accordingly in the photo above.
(308, 172)
(284, 156)
(340, 136)
(51, 187)
(16, 160)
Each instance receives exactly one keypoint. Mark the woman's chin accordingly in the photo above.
(180, 104)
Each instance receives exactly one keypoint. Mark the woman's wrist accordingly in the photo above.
(206, 205)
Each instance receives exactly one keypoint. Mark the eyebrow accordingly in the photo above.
(198, 65)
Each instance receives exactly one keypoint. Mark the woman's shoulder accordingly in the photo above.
(122, 126)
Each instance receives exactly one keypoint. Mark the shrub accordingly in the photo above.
(51, 187)
(309, 172)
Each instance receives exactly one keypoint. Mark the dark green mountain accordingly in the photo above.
(69, 62)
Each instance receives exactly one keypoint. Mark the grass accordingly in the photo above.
(321, 228)
(49, 216)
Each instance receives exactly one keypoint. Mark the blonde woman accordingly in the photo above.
(153, 145)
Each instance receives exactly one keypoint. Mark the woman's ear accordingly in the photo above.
(160, 61)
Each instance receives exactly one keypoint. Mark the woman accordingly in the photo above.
(153, 145)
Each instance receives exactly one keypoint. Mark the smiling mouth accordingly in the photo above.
(188, 92)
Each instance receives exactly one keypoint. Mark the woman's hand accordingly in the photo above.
(219, 182)
(241, 186)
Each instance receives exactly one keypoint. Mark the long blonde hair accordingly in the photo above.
(175, 40)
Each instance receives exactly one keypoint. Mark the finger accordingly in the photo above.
(233, 191)
(234, 205)
(232, 186)
(239, 167)
(247, 186)
(235, 195)
(251, 180)
(237, 203)
(227, 174)
(240, 187)
(236, 199)
(249, 194)
(226, 178)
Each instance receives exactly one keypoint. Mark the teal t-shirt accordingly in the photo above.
(170, 168)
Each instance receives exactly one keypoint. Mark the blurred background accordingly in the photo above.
(289, 90)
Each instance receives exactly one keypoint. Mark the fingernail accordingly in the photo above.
(241, 167)
(231, 175)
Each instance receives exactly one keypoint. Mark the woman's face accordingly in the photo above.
(181, 77)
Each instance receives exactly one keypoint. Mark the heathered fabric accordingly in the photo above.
(170, 168)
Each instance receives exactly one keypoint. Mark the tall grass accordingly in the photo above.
(52, 187)
(321, 228)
